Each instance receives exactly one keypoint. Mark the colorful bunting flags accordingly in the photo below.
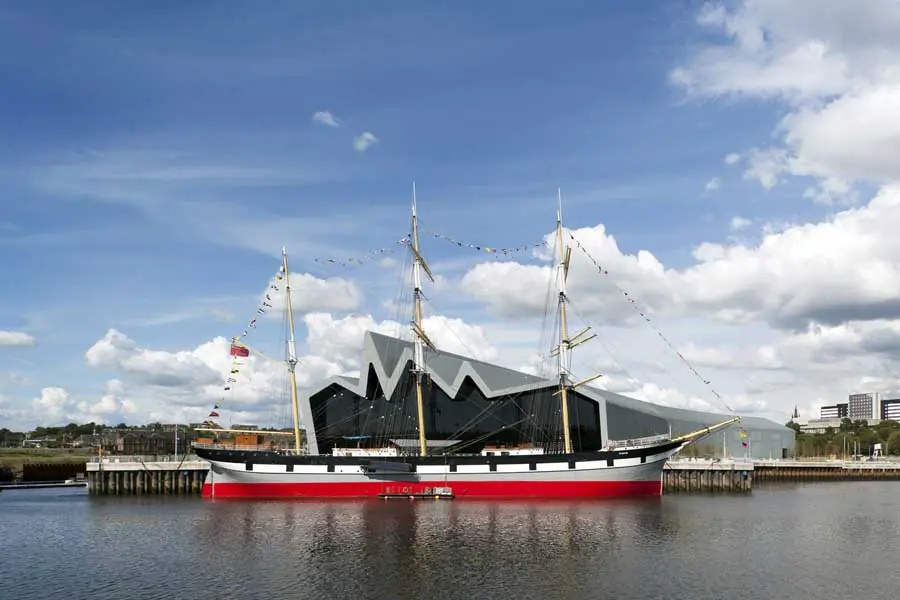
(366, 257)
(237, 349)
(496, 251)
(644, 316)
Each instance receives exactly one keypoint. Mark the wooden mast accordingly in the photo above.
(566, 342)
(292, 352)
(421, 338)
(564, 360)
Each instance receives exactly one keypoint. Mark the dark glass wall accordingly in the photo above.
(531, 417)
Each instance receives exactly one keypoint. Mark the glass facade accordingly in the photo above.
(344, 418)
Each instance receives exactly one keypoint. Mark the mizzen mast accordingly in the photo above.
(292, 351)
(421, 338)
(566, 343)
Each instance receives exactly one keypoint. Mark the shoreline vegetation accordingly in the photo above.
(851, 438)
(13, 460)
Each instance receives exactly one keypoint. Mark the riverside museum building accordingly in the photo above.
(470, 403)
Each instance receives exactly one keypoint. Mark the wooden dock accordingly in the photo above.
(146, 475)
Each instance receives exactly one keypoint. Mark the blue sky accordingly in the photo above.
(155, 158)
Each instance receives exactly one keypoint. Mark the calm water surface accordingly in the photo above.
(819, 540)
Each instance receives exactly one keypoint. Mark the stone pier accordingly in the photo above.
(146, 475)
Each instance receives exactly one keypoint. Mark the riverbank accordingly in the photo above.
(42, 463)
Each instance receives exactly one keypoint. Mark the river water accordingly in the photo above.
(805, 541)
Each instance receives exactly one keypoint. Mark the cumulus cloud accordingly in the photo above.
(16, 338)
(117, 352)
(840, 269)
(55, 405)
(182, 385)
(309, 294)
(363, 141)
(835, 68)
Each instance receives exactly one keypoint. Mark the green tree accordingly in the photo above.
(893, 443)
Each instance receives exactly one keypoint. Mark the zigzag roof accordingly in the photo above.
(388, 356)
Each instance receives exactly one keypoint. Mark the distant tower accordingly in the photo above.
(796, 414)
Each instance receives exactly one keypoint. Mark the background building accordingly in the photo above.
(835, 411)
(864, 406)
(476, 402)
(890, 409)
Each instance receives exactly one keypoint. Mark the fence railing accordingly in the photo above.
(639, 442)
(245, 447)
(133, 458)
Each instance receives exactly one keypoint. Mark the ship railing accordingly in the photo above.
(145, 458)
(245, 447)
(651, 440)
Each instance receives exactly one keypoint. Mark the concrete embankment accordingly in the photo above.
(135, 475)
(141, 475)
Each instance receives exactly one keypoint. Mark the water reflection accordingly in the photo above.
(782, 542)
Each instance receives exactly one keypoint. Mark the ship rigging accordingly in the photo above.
(505, 444)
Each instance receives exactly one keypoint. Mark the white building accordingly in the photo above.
(866, 406)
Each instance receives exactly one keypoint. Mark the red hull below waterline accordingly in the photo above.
(472, 489)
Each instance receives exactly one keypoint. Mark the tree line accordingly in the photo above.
(851, 437)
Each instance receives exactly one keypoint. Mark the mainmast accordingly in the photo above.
(565, 342)
(421, 339)
(292, 351)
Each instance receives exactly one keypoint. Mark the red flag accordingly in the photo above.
(213, 413)
(239, 351)
(743, 444)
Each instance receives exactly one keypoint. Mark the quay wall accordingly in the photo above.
(707, 476)
(134, 475)
(137, 476)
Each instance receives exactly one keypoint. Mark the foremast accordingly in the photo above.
(420, 337)
(292, 351)
(563, 350)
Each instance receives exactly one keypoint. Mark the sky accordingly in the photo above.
(732, 166)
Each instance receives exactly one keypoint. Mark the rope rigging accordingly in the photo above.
(634, 305)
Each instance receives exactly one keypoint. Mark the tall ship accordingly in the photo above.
(422, 422)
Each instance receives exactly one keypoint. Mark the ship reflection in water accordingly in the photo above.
(780, 542)
(440, 549)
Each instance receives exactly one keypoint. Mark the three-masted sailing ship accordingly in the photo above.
(396, 465)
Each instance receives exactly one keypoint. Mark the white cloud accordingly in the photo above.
(738, 223)
(16, 338)
(843, 268)
(182, 385)
(836, 69)
(811, 308)
(732, 158)
(117, 352)
(55, 405)
(326, 118)
(309, 294)
(713, 184)
(363, 141)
